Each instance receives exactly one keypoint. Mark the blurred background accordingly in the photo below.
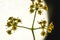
(54, 14)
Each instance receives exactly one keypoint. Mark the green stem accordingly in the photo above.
(24, 27)
(31, 28)
(33, 25)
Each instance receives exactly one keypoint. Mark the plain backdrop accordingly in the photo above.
(54, 4)
(20, 9)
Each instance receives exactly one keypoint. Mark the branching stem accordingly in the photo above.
(29, 28)
(32, 29)
(33, 25)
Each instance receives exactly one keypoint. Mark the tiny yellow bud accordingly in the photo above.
(9, 24)
(43, 33)
(40, 5)
(44, 22)
(40, 22)
(49, 30)
(45, 7)
(10, 18)
(51, 25)
(32, 6)
(39, 1)
(14, 27)
(39, 12)
(18, 20)
(9, 32)
(31, 10)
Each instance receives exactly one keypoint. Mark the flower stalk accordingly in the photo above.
(33, 25)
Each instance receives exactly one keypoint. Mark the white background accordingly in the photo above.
(19, 8)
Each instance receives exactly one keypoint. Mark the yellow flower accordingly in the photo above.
(39, 1)
(39, 12)
(14, 19)
(44, 22)
(9, 24)
(14, 27)
(39, 22)
(36, 6)
(10, 18)
(31, 10)
(43, 26)
(9, 32)
(40, 5)
(49, 30)
(43, 33)
(32, 6)
(45, 7)
(18, 20)
(51, 25)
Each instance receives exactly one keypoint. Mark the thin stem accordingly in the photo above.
(34, 19)
(30, 28)
(33, 25)
(24, 27)
(37, 28)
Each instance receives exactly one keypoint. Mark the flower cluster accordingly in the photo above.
(37, 6)
(50, 27)
(12, 22)
(43, 25)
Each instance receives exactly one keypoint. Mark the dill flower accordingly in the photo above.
(9, 32)
(43, 33)
(39, 12)
(31, 10)
(45, 7)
